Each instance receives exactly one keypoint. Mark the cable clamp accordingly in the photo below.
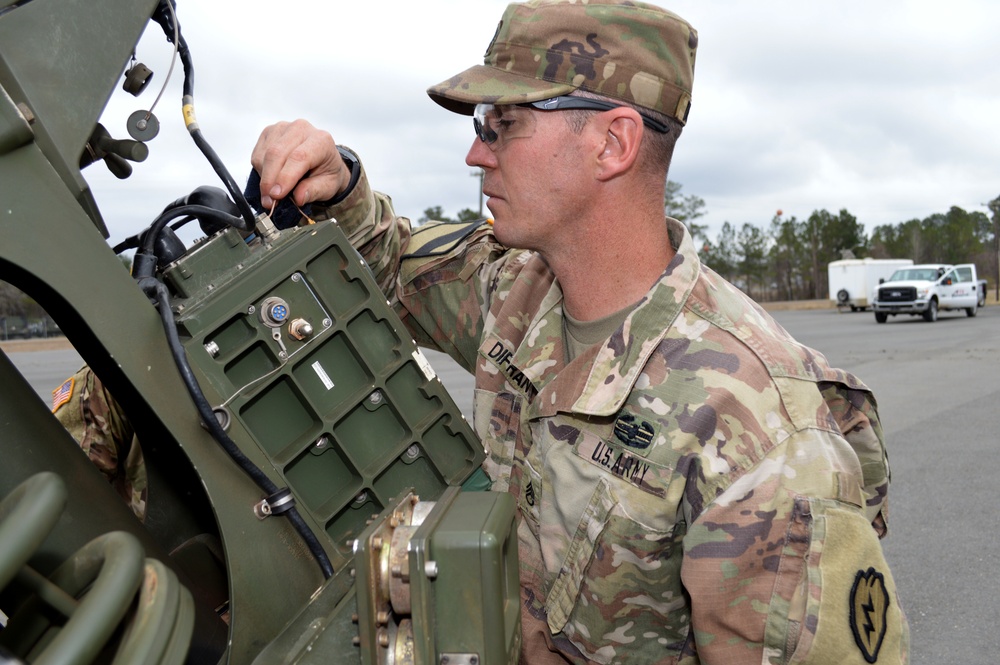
(280, 502)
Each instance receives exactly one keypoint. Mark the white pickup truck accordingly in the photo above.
(926, 289)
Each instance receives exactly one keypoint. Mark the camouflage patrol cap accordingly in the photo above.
(621, 49)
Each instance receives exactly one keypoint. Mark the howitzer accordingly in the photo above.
(304, 461)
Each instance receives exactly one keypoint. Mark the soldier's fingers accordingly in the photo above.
(286, 152)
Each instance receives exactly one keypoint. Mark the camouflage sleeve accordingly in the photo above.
(783, 565)
(438, 276)
(854, 408)
(92, 416)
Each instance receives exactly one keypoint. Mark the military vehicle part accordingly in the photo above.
(349, 415)
(337, 403)
(91, 595)
(423, 566)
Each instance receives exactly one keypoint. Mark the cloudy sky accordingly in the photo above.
(888, 109)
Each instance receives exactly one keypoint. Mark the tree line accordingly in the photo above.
(783, 260)
(787, 259)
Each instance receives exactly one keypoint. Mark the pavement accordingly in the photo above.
(937, 387)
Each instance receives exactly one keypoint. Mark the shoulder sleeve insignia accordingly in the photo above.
(869, 609)
(62, 394)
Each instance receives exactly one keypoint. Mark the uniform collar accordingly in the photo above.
(616, 365)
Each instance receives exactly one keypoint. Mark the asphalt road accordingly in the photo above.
(937, 388)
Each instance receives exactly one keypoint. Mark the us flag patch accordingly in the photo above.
(62, 394)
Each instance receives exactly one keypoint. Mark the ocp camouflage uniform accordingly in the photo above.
(92, 416)
(698, 488)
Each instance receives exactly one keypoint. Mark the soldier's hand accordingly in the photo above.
(295, 157)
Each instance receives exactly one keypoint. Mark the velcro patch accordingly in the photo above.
(62, 394)
(622, 464)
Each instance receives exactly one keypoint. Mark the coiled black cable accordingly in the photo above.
(155, 289)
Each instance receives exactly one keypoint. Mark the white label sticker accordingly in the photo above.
(424, 364)
(323, 376)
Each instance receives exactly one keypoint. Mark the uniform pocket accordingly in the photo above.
(619, 586)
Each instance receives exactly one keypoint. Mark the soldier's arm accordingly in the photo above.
(784, 565)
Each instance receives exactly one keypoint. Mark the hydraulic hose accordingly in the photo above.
(158, 291)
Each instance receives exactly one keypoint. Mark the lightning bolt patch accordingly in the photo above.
(869, 609)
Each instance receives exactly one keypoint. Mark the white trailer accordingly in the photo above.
(852, 281)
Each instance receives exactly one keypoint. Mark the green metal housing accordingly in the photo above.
(340, 407)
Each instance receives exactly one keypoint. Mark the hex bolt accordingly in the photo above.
(382, 618)
(431, 569)
(375, 397)
(383, 637)
(377, 542)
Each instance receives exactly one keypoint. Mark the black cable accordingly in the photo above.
(145, 259)
(147, 239)
(166, 16)
(156, 289)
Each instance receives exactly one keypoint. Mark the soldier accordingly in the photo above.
(693, 485)
(88, 411)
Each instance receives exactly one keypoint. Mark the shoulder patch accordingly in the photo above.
(63, 393)
(869, 611)
(440, 238)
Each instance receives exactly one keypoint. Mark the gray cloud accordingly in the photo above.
(886, 109)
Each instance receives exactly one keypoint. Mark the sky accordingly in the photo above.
(887, 109)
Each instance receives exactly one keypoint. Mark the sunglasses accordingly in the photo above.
(496, 124)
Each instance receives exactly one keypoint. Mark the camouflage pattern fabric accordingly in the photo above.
(698, 488)
(91, 415)
(634, 52)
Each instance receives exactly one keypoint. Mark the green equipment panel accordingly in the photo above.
(311, 370)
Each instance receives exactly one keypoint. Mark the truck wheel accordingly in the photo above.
(982, 299)
(972, 311)
(881, 317)
(930, 314)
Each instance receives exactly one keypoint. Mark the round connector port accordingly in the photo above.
(274, 312)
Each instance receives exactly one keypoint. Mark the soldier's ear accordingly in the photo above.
(622, 129)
